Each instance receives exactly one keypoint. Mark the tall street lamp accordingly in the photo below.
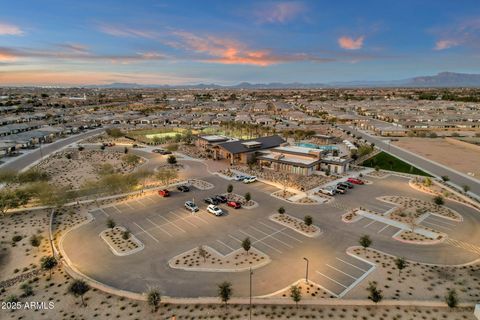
(250, 309)
(306, 271)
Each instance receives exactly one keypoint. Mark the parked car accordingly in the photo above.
(221, 199)
(234, 204)
(328, 191)
(183, 188)
(213, 209)
(345, 185)
(250, 179)
(190, 205)
(349, 185)
(239, 178)
(161, 151)
(164, 193)
(355, 181)
(108, 144)
(341, 189)
(211, 201)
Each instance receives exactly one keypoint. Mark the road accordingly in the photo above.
(23, 161)
(429, 166)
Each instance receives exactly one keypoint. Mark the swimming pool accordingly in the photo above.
(316, 146)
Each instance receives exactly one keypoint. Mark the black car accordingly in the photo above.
(161, 151)
(211, 201)
(344, 185)
(183, 188)
(221, 199)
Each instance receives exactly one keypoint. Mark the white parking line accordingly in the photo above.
(284, 243)
(284, 233)
(348, 275)
(261, 240)
(104, 212)
(196, 215)
(436, 225)
(384, 228)
(149, 199)
(368, 224)
(125, 203)
(159, 227)
(148, 233)
(184, 219)
(114, 207)
(351, 264)
(171, 222)
(226, 245)
(240, 241)
(139, 202)
(440, 220)
(333, 280)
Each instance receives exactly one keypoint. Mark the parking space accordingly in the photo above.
(265, 236)
(341, 274)
(377, 227)
(439, 223)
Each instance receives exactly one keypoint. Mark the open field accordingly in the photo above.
(387, 162)
(458, 155)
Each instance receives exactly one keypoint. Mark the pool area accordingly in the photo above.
(316, 146)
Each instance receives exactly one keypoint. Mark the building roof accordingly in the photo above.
(290, 159)
(242, 146)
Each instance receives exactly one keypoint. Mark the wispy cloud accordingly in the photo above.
(350, 43)
(120, 31)
(231, 51)
(279, 12)
(73, 53)
(463, 33)
(7, 29)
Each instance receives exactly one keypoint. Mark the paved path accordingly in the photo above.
(24, 161)
(427, 165)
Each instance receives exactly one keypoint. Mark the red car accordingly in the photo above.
(164, 193)
(355, 181)
(234, 204)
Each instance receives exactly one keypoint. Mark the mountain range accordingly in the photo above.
(442, 79)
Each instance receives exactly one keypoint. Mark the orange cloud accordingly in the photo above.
(445, 44)
(7, 29)
(279, 12)
(351, 43)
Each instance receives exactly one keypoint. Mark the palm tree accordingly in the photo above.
(401, 263)
(48, 263)
(365, 241)
(225, 292)
(78, 288)
(246, 244)
(295, 294)
(153, 298)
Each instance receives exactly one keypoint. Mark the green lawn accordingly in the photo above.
(388, 162)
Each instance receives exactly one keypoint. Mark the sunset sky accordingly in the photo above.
(54, 42)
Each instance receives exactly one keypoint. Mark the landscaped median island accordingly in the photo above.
(120, 241)
(409, 236)
(308, 290)
(307, 229)
(297, 198)
(411, 208)
(250, 204)
(200, 184)
(205, 258)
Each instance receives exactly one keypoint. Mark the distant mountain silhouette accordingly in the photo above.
(443, 79)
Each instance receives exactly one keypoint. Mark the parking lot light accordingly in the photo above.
(306, 272)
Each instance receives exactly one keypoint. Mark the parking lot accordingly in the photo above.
(168, 229)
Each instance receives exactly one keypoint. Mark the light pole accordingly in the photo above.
(306, 271)
(250, 309)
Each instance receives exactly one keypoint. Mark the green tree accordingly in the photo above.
(248, 196)
(445, 178)
(111, 223)
(230, 188)
(308, 220)
(281, 210)
(365, 241)
(172, 147)
(466, 188)
(427, 182)
(171, 159)
(27, 290)
(246, 244)
(295, 294)
(11, 199)
(451, 299)
(375, 294)
(35, 241)
(48, 263)
(153, 298)
(131, 159)
(401, 264)
(202, 253)
(125, 234)
(166, 175)
(225, 292)
(114, 132)
(438, 200)
(78, 288)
